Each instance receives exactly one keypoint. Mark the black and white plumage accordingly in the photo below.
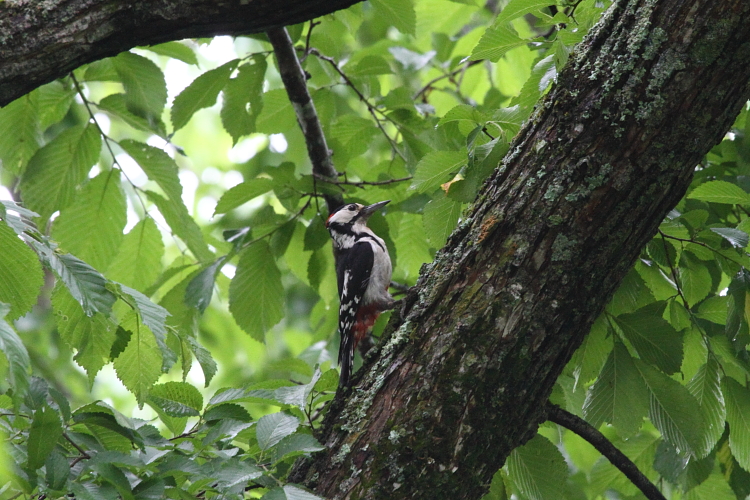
(363, 269)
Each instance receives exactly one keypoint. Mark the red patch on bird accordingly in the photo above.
(366, 316)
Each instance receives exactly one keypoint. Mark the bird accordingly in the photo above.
(363, 272)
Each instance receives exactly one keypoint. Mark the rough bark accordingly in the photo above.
(462, 378)
(44, 40)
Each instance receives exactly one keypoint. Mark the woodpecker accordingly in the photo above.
(363, 270)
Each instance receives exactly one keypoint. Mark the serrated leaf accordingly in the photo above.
(19, 133)
(463, 112)
(154, 317)
(274, 427)
(496, 42)
(54, 172)
(737, 400)
(695, 280)
(277, 115)
(184, 226)
(240, 93)
(297, 395)
(138, 262)
(242, 193)
(440, 218)
(593, 352)
(737, 238)
(57, 470)
(54, 101)
(256, 296)
(435, 168)
(234, 473)
(177, 399)
(91, 227)
(92, 337)
(619, 395)
(116, 105)
(175, 50)
(672, 410)
(139, 365)
(15, 353)
(720, 192)
(145, 87)
(713, 488)
(201, 93)
(399, 13)
(655, 340)
(293, 492)
(201, 288)
(225, 411)
(45, 430)
(714, 309)
(84, 282)
(538, 469)
(207, 363)
(518, 8)
(21, 276)
(296, 444)
(705, 386)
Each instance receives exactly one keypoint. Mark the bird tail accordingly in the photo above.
(346, 358)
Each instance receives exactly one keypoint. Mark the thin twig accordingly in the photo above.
(370, 108)
(83, 455)
(295, 83)
(363, 183)
(605, 447)
(450, 75)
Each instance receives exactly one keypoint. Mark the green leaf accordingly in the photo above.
(277, 115)
(116, 105)
(183, 225)
(242, 193)
(655, 340)
(737, 400)
(398, 13)
(297, 395)
(201, 288)
(440, 219)
(694, 279)
(463, 112)
(436, 168)
(155, 318)
(705, 386)
(91, 228)
(15, 353)
(369, 66)
(138, 263)
(672, 411)
(19, 133)
(720, 192)
(496, 42)
(293, 492)
(737, 238)
(46, 429)
(21, 276)
(92, 337)
(84, 282)
(592, 354)
(714, 309)
(243, 99)
(274, 427)
(145, 87)
(296, 444)
(619, 395)
(713, 488)
(54, 172)
(256, 296)
(177, 399)
(538, 469)
(138, 366)
(54, 102)
(175, 50)
(518, 8)
(58, 470)
(201, 93)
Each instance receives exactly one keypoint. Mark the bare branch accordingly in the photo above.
(605, 447)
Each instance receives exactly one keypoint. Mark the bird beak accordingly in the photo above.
(371, 209)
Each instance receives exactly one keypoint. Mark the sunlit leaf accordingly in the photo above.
(21, 276)
(19, 133)
(496, 42)
(145, 87)
(399, 13)
(138, 261)
(242, 193)
(440, 219)
(720, 192)
(15, 353)
(138, 367)
(201, 93)
(737, 400)
(175, 50)
(538, 469)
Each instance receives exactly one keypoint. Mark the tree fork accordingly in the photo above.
(462, 377)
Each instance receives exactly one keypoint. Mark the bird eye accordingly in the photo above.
(352, 207)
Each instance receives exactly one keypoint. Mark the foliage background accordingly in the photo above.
(186, 349)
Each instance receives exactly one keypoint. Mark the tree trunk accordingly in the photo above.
(42, 41)
(463, 377)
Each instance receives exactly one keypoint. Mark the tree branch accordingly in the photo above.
(605, 447)
(295, 83)
(43, 41)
